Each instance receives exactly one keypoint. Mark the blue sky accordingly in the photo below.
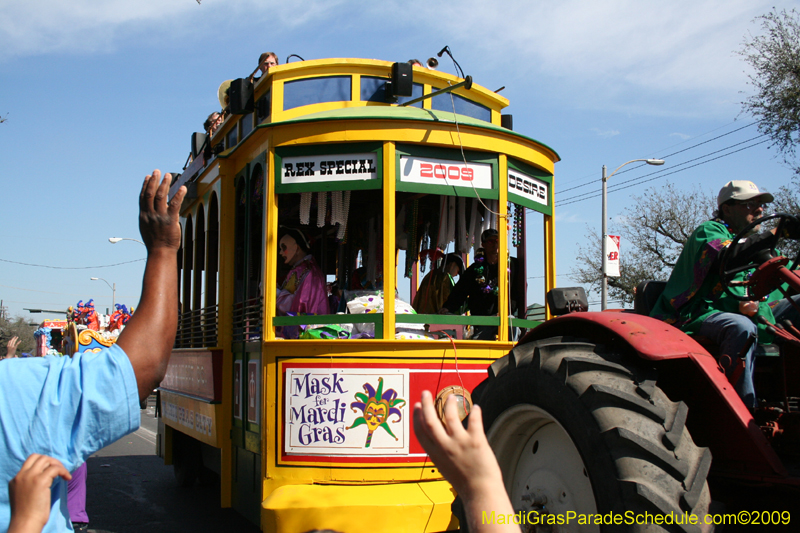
(98, 93)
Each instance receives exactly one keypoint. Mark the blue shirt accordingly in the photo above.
(67, 408)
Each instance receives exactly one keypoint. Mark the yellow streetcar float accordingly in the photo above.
(369, 159)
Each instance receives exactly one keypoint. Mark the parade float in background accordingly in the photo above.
(84, 330)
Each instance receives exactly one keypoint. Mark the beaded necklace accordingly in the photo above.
(481, 271)
(516, 238)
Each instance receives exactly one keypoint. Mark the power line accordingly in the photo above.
(595, 181)
(663, 157)
(70, 268)
(704, 134)
(617, 185)
(34, 290)
(595, 195)
(696, 165)
(708, 141)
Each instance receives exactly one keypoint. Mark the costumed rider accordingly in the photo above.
(478, 287)
(437, 285)
(303, 292)
(92, 319)
(696, 301)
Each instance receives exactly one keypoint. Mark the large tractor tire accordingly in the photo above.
(582, 428)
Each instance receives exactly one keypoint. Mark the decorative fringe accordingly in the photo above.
(451, 221)
(322, 208)
(462, 239)
(425, 245)
(441, 235)
(344, 216)
(305, 208)
(336, 208)
(474, 238)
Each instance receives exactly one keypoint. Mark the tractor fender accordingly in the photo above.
(652, 339)
(681, 360)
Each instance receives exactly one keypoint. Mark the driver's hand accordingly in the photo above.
(791, 228)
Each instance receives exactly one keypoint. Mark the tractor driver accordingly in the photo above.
(694, 298)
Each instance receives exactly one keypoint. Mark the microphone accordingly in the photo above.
(442, 51)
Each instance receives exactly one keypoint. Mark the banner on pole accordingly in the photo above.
(612, 258)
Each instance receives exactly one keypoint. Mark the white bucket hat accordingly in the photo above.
(742, 190)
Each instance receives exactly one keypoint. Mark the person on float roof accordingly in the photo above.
(266, 61)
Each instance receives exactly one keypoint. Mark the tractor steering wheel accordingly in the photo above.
(760, 262)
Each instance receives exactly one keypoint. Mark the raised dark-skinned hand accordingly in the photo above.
(158, 219)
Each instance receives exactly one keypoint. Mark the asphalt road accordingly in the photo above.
(130, 490)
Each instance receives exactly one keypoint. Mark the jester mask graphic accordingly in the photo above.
(376, 407)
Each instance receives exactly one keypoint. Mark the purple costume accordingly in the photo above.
(303, 293)
(76, 495)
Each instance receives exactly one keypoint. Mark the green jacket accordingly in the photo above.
(694, 290)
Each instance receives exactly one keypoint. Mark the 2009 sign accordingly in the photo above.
(452, 172)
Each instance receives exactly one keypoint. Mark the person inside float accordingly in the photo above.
(303, 291)
(437, 284)
(478, 286)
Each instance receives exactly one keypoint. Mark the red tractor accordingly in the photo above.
(619, 414)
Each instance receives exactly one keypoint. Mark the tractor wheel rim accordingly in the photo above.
(541, 466)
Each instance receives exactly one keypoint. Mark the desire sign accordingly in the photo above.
(528, 187)
(346, 412)
(445, 172)
(325, 168)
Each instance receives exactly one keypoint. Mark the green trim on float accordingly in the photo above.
(524, 168)
(447, 154)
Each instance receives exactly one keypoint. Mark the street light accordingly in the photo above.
(113, 290)
(604, 284)
(115, 240)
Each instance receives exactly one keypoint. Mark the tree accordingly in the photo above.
(16, 327)
(775, 58)
(787, 200)
(654, 229)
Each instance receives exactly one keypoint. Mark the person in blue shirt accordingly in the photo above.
(68, 408)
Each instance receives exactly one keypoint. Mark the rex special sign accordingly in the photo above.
(346, 412)
(324, 168)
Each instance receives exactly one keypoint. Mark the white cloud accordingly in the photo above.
(619, 55)
(655, 58)
(681, 136)
(35, 27)
(605, 133)
(676, 45)
(42, 26)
